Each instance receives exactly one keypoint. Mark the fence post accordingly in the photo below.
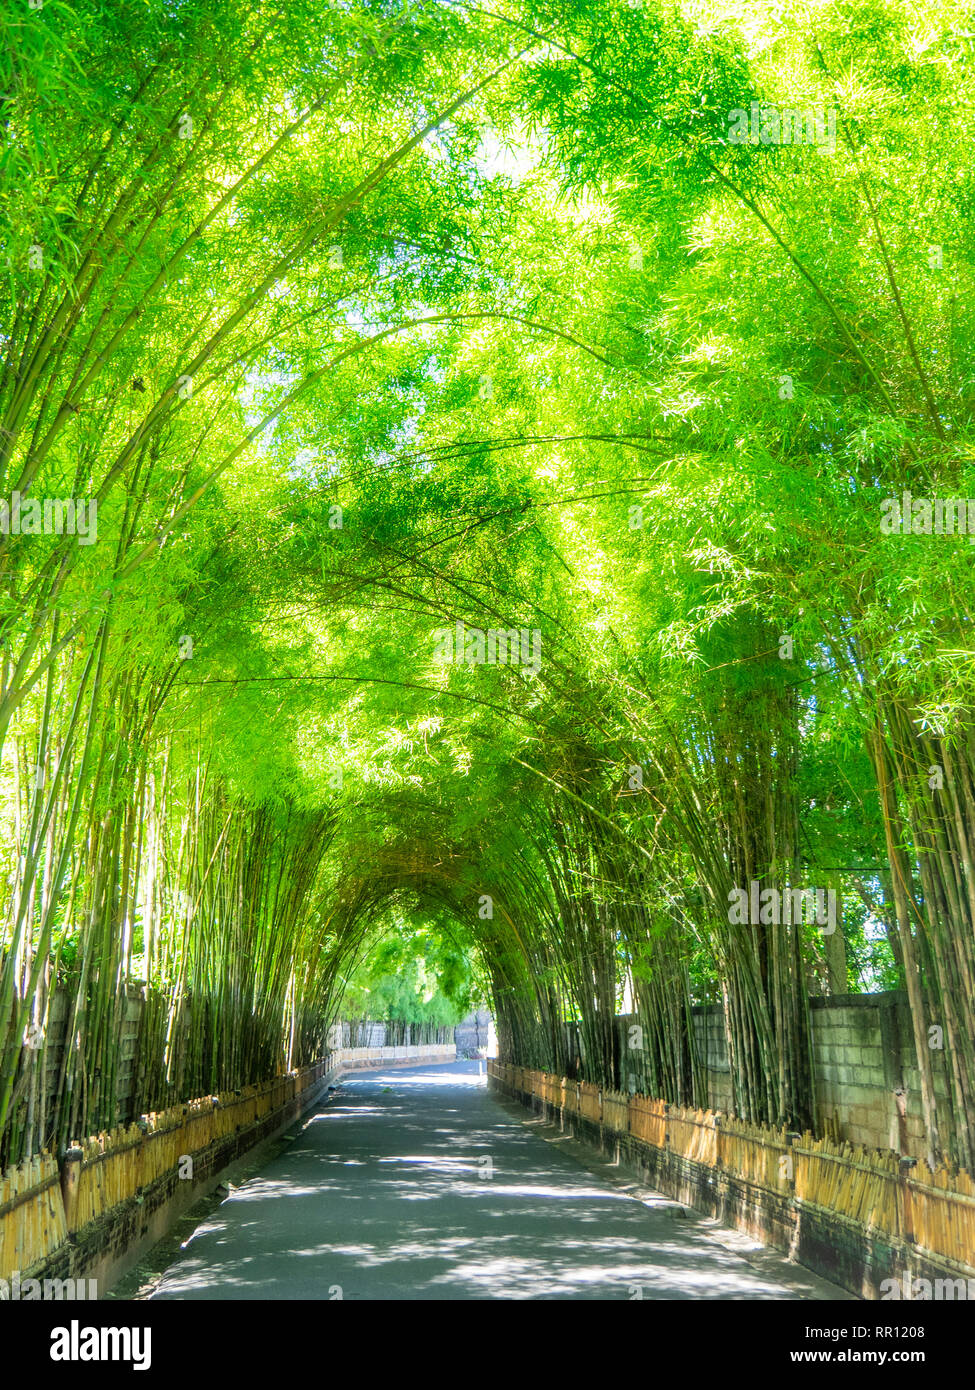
(907, 1204)
(70, 1178)
(792, 1139)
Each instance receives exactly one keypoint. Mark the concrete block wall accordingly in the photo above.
(855, 1074)
(868, 1080)
(56, 1040)
(713, 1046)
(868, 1088)
(128, 1062)
(360, 1035)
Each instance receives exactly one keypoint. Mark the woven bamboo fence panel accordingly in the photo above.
(31, 1213)
(934, 1209)
(589, 1101)
(942, 1211)
(756, 1154)
(570, 1095)
(692, 1134)
(648, 1120)
(861, 1184)
(118, 1163)
(616, 1111)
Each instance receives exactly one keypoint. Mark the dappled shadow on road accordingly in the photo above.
(417, 1186)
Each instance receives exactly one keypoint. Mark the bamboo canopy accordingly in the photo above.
(478, 527)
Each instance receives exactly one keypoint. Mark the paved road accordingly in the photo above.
(417, 1184)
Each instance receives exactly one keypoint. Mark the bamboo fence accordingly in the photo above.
(755, 1153)
(648, 1120)
(861, 1184)
(691, 1133)
(118, 1165)
(941, 1209)
(874, 1188)
(31, 1213)
(616, 1111)
(590, 1101)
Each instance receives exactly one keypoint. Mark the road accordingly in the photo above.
(418, 1184)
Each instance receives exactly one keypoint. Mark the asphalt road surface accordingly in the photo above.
(418, 1184)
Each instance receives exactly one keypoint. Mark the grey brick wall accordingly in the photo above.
(867, 1080)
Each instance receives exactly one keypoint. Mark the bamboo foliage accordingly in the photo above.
(259, 286)
(127, 347)
(207, 1022)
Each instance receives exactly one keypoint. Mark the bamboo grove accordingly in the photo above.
(368, 332)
